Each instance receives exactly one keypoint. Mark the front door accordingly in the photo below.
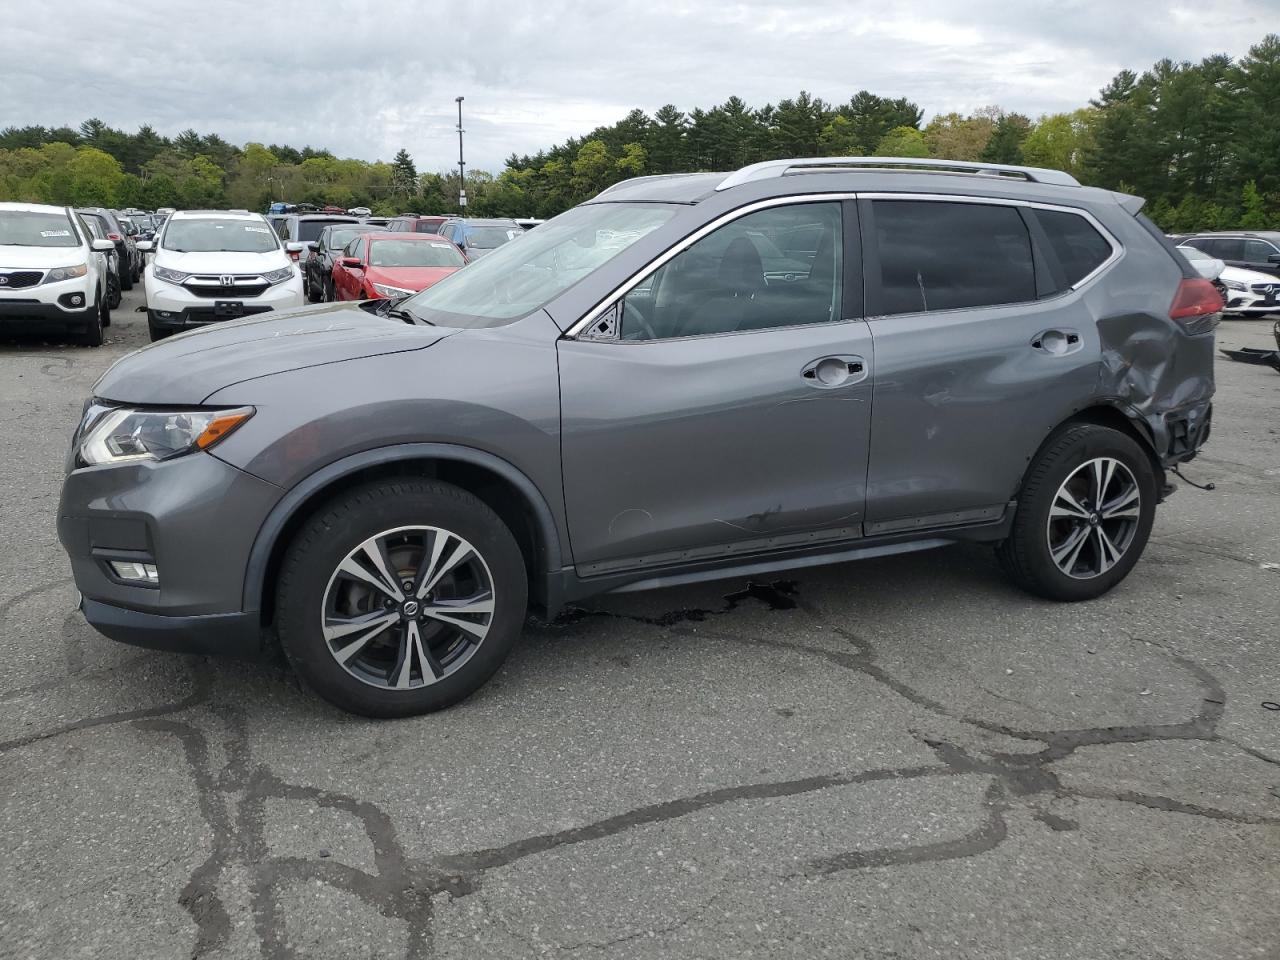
(728, 412)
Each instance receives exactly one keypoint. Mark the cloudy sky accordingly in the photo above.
(366, 77)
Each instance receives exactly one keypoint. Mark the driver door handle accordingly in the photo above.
(828, 373)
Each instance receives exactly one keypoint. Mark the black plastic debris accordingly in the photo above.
(1265, 358)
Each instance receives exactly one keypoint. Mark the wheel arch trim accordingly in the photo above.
(277, 520)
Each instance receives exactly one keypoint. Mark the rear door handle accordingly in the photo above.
(827, 373)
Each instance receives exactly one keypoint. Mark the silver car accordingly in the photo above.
(688, 377)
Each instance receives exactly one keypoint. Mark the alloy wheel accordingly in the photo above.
(1094, 518)
(407, 607)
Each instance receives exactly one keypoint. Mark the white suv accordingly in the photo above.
(211, 265)
(53, 273)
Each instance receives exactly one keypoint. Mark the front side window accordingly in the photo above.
(1079, 247)
(1257, 251)
(518, 278)
(218, 235)
(941, 255)
(37, 228)
(777, 267)
(414, 253)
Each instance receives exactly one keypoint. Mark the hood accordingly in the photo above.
(409, 278)
(40, 258)
(1241, 275)
(224, 262)
(190, 367)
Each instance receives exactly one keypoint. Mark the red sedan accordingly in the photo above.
(377, 265)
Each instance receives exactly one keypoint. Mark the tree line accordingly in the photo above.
(1200, 141)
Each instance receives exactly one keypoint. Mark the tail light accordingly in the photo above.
(114, 237)
(1196, 305)
(295, 255)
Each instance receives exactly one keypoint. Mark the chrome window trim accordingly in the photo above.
(622, 289)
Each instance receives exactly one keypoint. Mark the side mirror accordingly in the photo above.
(313, 245)
(106, 246)
(351, 262)
(1274, 258)
(293, 246)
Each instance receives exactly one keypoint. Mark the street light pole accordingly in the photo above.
(462, 176)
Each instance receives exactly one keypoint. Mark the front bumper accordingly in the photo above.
(175, 308)
(195, 517)
(49, 306)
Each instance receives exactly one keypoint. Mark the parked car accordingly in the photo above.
(1258, 251)
(393, 265)
(593, 409)
(475, 238)
(303, 228)
(360, 211)
(108, 263)
(127, 253)
(53, 273)
(214, 265)
(317, 266)
(412, 223)
(1247, 293)
(380, 222)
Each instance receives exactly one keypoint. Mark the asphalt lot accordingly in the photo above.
(899, 758)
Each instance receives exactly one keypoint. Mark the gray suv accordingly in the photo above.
(686, 378)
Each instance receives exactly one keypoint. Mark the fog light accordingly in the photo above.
(135, 572)
(77, 300)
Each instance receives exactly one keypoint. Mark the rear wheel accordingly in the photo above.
(1084, 514)
(126, 276)
(104, 309)
(313, 295)
(401, 598)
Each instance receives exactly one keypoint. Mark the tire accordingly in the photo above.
(327, 292)
(91, 336)
(312, 296)
(126, 277)
(1095, 546)
(105, 310)
(408, 517)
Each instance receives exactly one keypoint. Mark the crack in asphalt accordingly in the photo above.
(232, 800)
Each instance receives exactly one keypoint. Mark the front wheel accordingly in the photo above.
(91, 336)
(400, 598)
(1084, 514)
(126, 277)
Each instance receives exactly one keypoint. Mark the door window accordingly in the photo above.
(1257, 251)
(1079, 247)
(939, 255)
(777, 267)
(1227, 248)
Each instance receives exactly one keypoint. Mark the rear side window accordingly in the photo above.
(938, 255)
(1080, 248)
(1225, 248)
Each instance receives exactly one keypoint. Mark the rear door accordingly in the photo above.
(1261, 255)
(726, 413)
(981, 346)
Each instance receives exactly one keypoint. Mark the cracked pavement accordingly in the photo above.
(895, 758)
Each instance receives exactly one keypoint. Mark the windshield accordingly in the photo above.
(309, 230)
(487, 238)
(340, 238)
(219, 236)
(414, 253)
(428, 226)
(36, 228)
(520, 277)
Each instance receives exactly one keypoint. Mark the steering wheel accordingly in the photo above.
(632, 314)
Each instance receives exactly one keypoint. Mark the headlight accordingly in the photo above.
(387, 291)
(58, 274)
(1235, 285)
(169, 276)
(119, 434)
(280, 276)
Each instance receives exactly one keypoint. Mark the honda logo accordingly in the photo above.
(227, 280)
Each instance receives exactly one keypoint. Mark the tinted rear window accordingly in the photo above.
(1080, 248)
(309, 230)
(936, 255)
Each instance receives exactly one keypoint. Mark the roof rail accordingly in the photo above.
(653, 176)
(781, 168)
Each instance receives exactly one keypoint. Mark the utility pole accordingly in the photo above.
(462, 175)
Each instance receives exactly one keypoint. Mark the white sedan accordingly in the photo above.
(1248, 293)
